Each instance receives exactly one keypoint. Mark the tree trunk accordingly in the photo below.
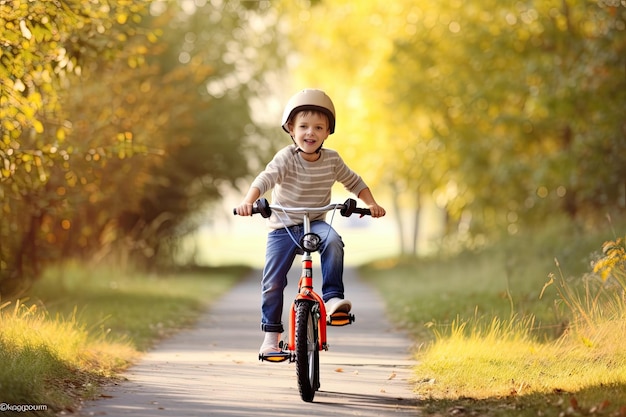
(416, 224)
(398, 214)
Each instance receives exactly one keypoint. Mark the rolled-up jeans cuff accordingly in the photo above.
(272, 327)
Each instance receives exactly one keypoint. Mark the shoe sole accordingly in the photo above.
(341, 307)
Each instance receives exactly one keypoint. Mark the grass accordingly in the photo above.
(79, 328)
(526, 329)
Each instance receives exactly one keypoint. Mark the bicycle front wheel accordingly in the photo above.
(307, 350)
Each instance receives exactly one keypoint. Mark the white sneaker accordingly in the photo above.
(336, 304)
(270, 343)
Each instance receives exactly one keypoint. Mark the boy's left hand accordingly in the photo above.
(377, 211)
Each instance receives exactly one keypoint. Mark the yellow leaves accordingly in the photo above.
(152, 37)
(613, 261)
(60, 134)
(125, 136)
(38, 126)
(121, 18)
(126, 147)
(8, 124)
(135, 61)
(71, 178)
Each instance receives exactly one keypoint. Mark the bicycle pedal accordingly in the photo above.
(340, 319)
(274, 356)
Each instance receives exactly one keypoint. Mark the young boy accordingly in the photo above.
(302, 175)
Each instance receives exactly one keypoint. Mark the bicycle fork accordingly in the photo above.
(306, 294)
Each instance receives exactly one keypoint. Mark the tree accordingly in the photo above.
(119, 123)
(44, 48)
(501, 111)
(520, 85)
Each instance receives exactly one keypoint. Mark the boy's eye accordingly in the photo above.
(319, 128)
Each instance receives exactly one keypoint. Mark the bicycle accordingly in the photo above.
(307, 331)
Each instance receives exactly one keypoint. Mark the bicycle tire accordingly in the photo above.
(307, 350)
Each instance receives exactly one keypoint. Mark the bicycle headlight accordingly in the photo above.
(310, 242)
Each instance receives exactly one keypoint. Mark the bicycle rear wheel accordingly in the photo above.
(307, 349)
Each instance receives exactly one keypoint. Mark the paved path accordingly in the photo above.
(212, 370)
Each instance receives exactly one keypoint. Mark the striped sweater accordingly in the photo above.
(296, 182)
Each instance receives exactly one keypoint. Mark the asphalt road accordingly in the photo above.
(213, 370)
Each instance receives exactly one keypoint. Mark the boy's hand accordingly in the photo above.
(366, 196)
(244, 209)
(377, 211)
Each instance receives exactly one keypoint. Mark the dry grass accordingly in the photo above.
(496, 339)
(80, 328)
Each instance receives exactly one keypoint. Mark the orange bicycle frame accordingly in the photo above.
(305, 292)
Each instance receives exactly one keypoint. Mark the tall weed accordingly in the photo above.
(497, 331)
(40, 355)
(82, 326)
(599, 296)
(482, 358)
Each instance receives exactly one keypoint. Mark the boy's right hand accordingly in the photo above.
(244, 209)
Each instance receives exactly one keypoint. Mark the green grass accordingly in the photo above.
(496, 340)
(78, 328)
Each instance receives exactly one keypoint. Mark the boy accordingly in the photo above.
(301, 175)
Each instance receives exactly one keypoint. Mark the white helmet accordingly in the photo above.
(310, 99)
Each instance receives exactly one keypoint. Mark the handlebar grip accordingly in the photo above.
(349, 208)
(261, 206)
(363, 211)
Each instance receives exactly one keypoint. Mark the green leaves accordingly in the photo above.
(109, 141)
(465, 98)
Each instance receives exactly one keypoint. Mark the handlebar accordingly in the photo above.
(264, 208)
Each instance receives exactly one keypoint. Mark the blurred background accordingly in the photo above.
(129, 129)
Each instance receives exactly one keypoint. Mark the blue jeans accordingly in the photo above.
(279, 256)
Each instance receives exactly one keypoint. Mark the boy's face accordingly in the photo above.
(309, 130)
